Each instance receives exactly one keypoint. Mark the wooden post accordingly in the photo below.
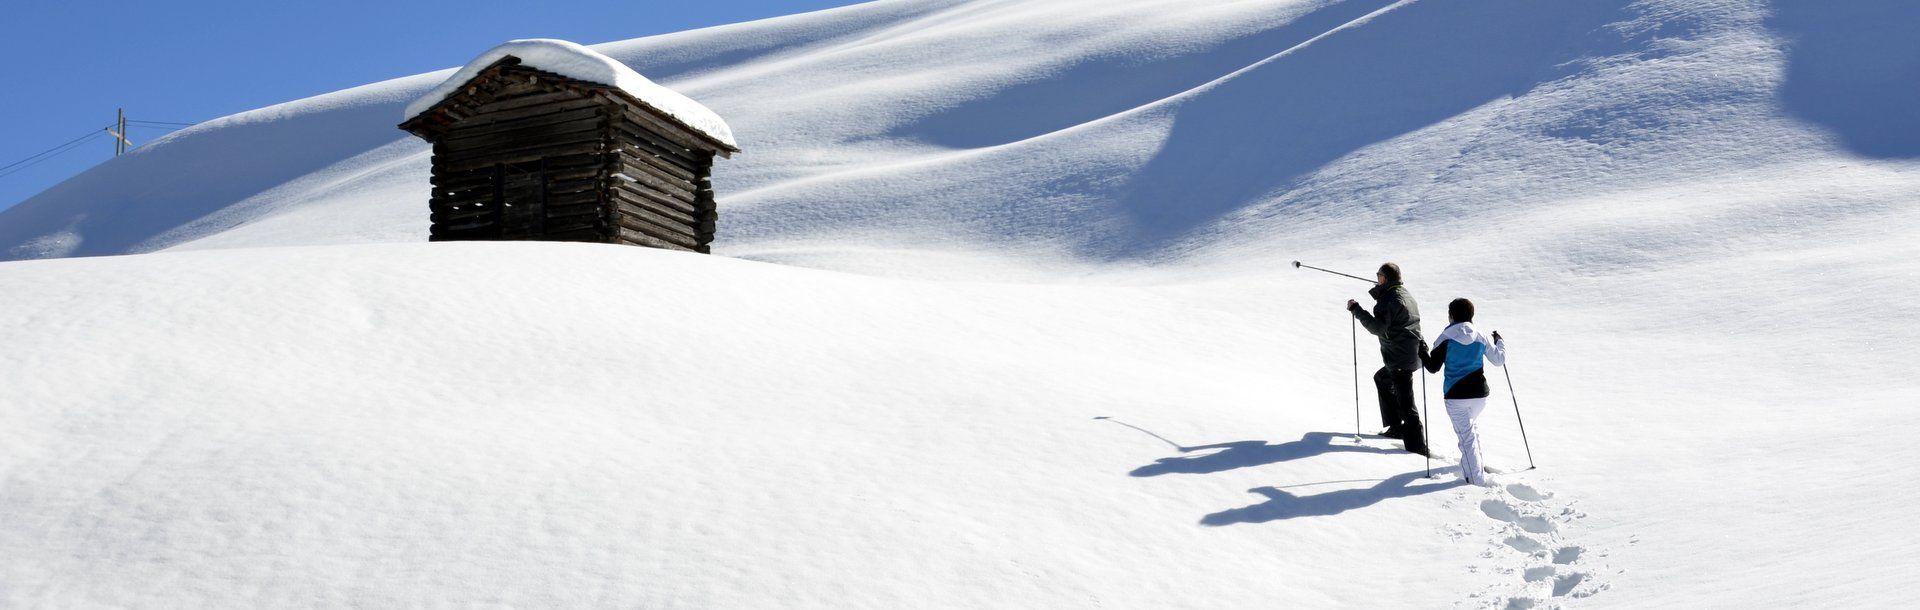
(120, 141)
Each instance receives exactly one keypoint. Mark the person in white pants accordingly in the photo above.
(1460, 349)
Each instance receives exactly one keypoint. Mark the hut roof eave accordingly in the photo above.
(578, 62)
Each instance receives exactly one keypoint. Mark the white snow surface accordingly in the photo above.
(571, 60)
(1002, 316)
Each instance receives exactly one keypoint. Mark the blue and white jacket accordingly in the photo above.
(1460, 348)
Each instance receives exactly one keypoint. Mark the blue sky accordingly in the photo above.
(73, 63)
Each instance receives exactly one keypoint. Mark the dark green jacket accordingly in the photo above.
(1396, 321)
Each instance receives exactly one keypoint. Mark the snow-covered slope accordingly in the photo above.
(631, 428)
(1693, 218)
(1216, 125)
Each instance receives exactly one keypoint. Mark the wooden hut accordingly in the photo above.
(548, 140)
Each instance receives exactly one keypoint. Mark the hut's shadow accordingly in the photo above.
(1281, 504)
(1247, 454)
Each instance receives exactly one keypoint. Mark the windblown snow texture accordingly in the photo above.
(1003, 317)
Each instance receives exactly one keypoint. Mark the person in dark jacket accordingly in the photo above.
(1396, 321)
(1461, 349)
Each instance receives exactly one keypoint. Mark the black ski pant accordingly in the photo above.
(1396, 403)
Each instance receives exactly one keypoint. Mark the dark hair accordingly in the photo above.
(1391, 271)
(1461, 310)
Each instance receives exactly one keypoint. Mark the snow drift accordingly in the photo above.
(1694, 220)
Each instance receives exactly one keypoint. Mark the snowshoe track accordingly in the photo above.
(1529, 549)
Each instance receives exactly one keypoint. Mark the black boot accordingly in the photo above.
(1416, 441)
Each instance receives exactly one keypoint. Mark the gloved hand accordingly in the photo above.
(1496, 337)
(1353, 305)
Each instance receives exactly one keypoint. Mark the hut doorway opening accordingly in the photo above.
(522, 201)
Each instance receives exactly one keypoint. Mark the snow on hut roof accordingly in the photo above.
(578, 62)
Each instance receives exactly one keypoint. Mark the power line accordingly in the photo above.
(90, 133)
(51, 150)
(35, 159)
(23, 164)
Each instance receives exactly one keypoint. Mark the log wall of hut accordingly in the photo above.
(520, 160)
(523, 154)
(661, 193)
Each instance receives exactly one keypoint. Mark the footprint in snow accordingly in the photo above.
(1566, 583)
(1567, 554)
(1520, 603)
(1501, 510)
(1526, 493)
(1525, 544)
(1547, 569)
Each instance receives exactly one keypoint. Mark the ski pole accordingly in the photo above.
(1355, 334)
(1427, 422)
(1504, 369)
(1297, 265)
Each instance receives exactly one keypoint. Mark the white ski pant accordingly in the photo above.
(1464, 412)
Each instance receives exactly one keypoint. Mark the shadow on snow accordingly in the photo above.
(1247, 454)
(1281, 504)
(1250, 136)
(1853, 68)
(1061, 99)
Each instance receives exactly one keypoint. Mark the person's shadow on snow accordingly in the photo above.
(1281, 504)
(1247, 454)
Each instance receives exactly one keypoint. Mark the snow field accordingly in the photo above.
(1056, 357)
(370, 425)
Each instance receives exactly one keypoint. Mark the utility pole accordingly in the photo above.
(120, 141)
